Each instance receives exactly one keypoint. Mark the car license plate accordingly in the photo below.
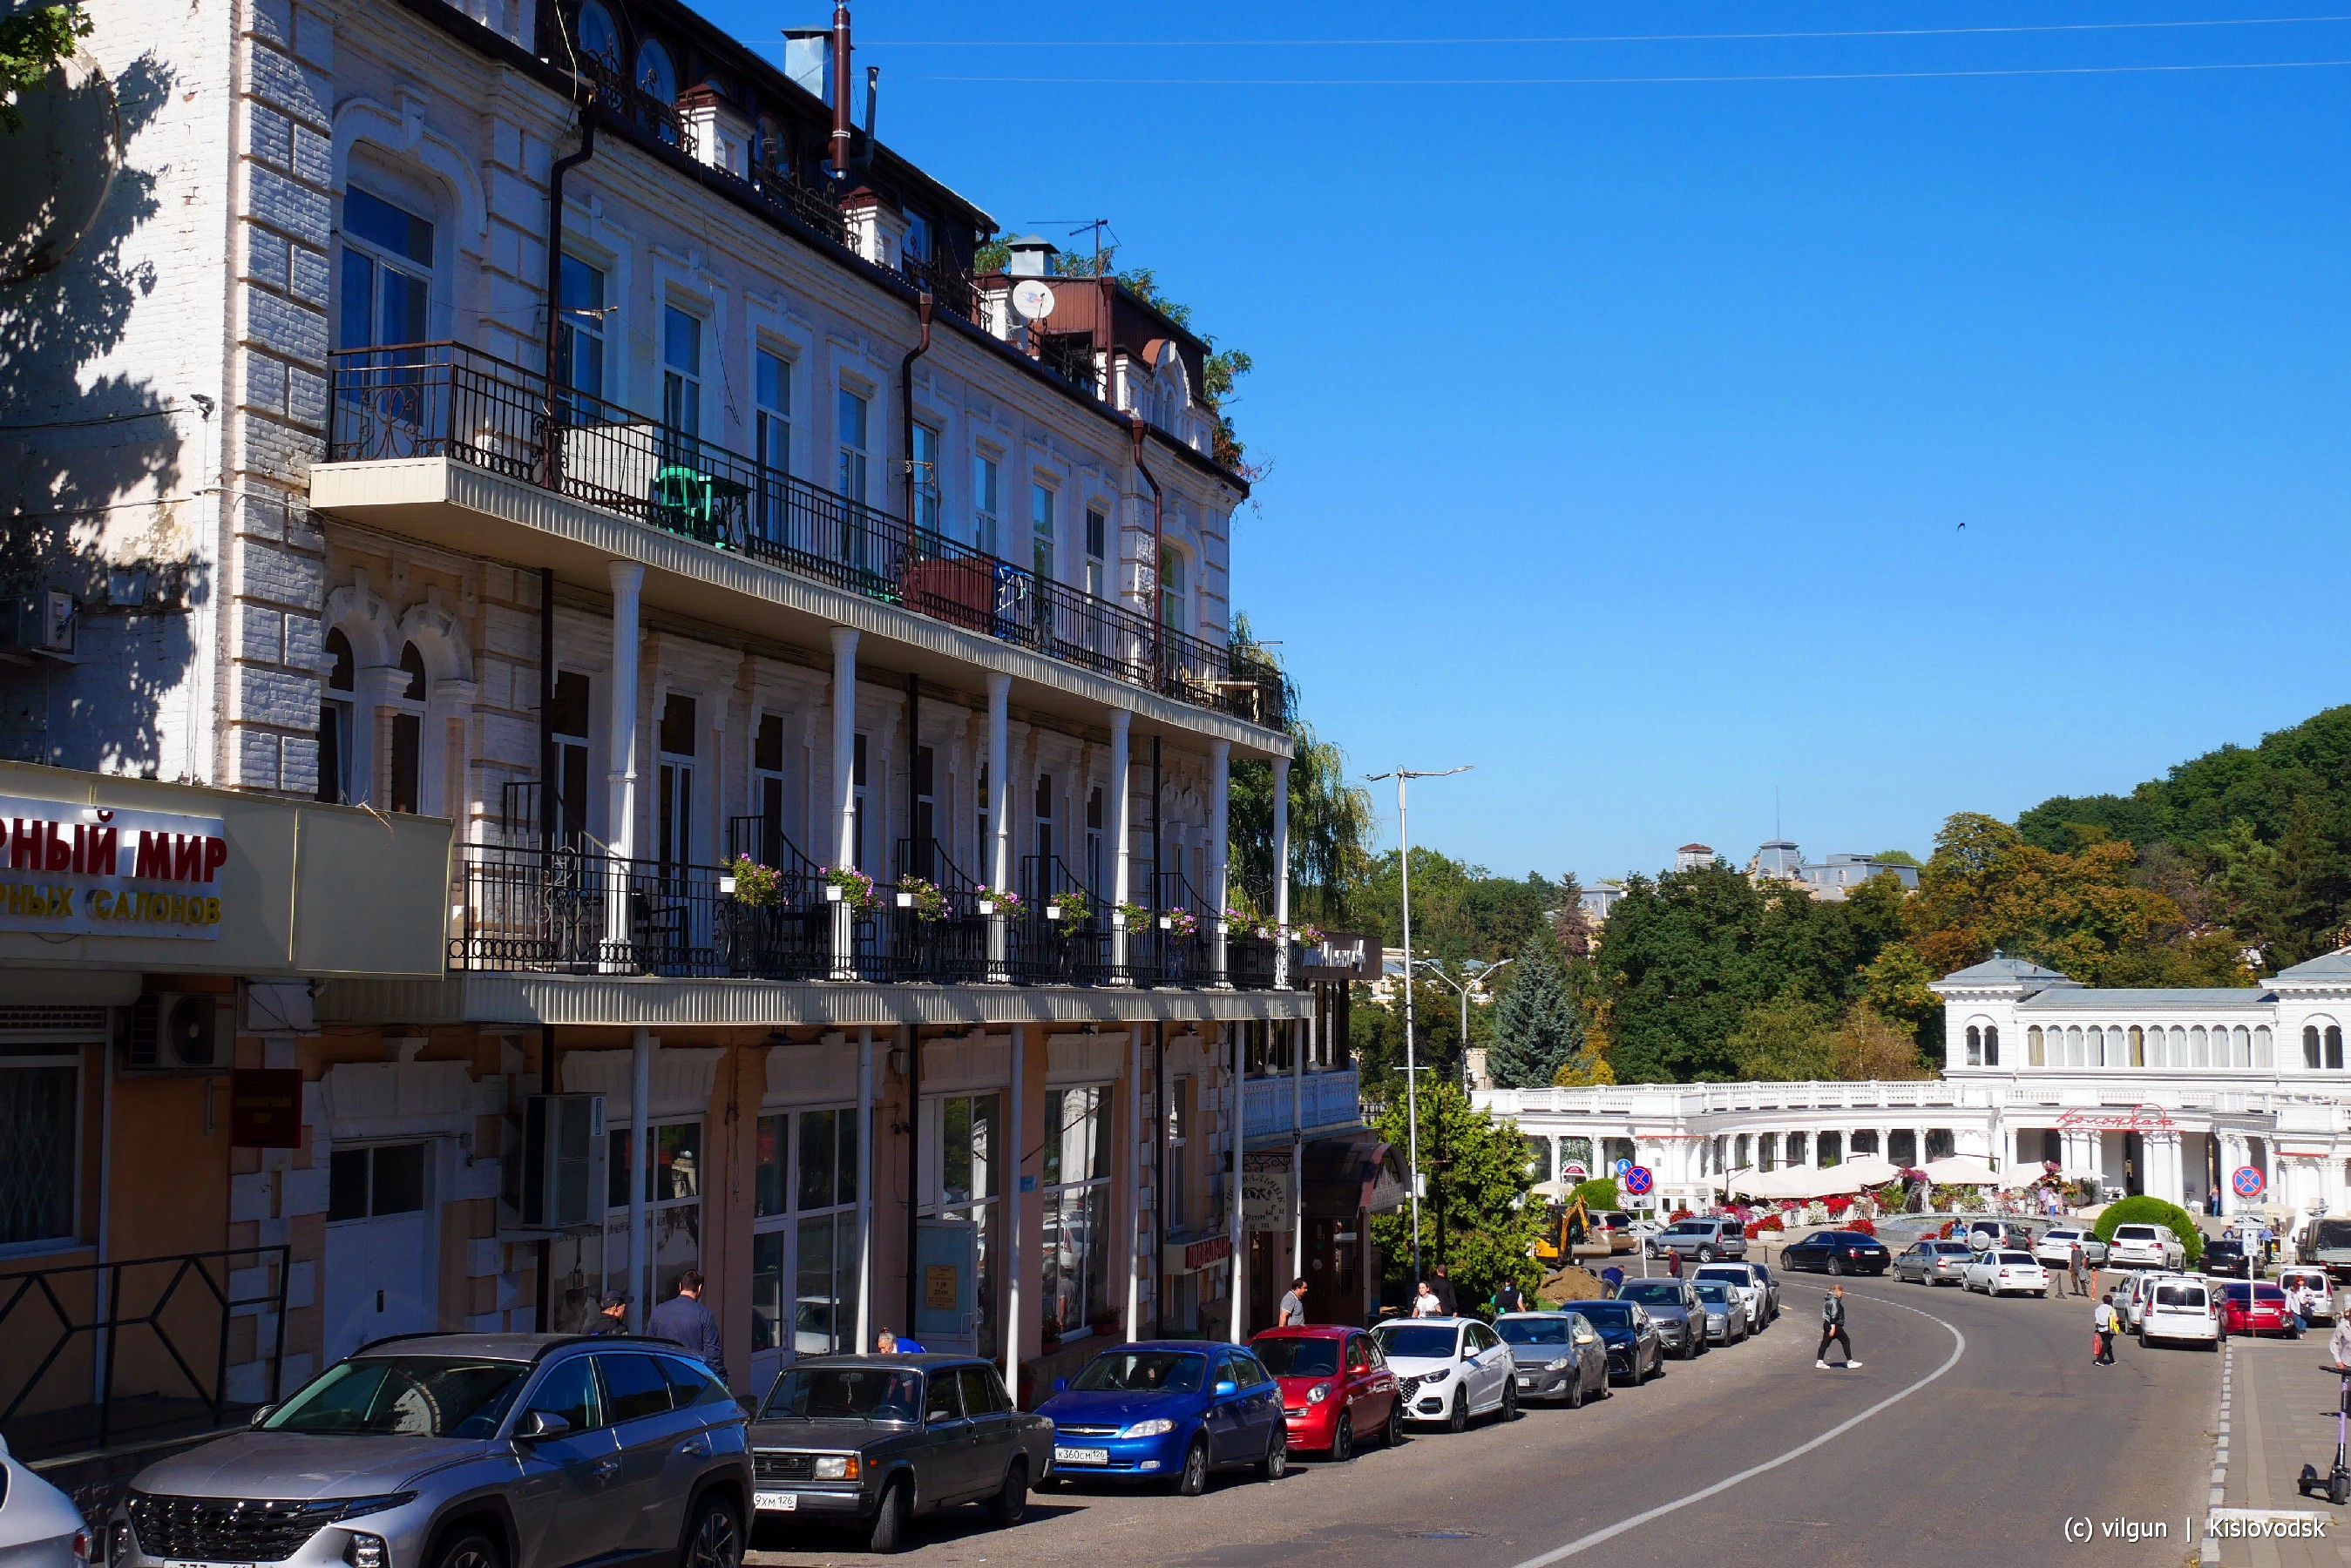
(1525, 1381)
(181, 1562)
(776, 1501)
(1081, 1456)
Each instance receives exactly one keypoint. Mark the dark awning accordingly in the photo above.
(1347, 1175)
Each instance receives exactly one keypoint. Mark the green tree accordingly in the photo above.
(1331, 820)
(1789, 1037)
(33, 41)
(1475, 1218)
(1537, 1025)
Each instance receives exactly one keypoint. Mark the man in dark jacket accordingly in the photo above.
(683, 1318)
(1446, 1301)
(1832, 1327)
(612, 1317)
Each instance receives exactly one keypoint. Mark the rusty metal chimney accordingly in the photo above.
(839, 150)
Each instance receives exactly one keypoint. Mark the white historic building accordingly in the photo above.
(2166, 1092)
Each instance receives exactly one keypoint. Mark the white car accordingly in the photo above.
(2146, 1247)
(1997, 1274)
(1742, 1281)
(1449, 1369)
(39, 1525)
(2055, 1250)
(2131, 1298)
(2179, 1307)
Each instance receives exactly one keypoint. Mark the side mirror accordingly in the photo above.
(1227, 1388)
(541, 1426)
(1060, 1385)
(261, 1413)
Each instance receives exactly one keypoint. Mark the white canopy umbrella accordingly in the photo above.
(1961, 1170)
(2012, 1177)
(1871, 1171)
(1823, 1181)
(1552, 1188)
(1760, 1183)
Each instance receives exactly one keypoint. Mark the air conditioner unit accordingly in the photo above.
(180, 1032)
(564, 1152)
(39, 622)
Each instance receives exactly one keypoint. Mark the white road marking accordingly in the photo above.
(1585, 1542)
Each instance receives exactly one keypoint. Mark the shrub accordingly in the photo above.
(1768, 1223)
(1678, 1215)
(1598, 1193)
(1837, 1204)
(2146, 1211)
(1863, 1224)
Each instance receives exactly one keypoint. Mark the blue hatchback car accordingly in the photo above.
(1168, 1410)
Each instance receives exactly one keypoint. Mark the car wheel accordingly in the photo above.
(714, 1537)
(1837, 1264)
(1510, 1402)
(1193, 1478)
(469, 1549)
(1342, 1438)
(1392, 1435)
(1458, 1419)
(1010, 1503)
(1276, 1463)
(1575, 1389)
(1689, 1351)
(1706, 1253)
(888, 1531)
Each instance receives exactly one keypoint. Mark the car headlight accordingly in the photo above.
(1431, 1379)
(836, 1467)
(1157, 1428)
(1319, 1392)
(1562, 1365)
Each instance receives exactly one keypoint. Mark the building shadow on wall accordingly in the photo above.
(93, 453)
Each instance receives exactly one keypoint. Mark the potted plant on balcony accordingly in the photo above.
(749, 882)
(926, 899)
(1001, 901)
(1070, 909)
(1134, 917)
(847, 885)
(1182, 922)
(1311, 935)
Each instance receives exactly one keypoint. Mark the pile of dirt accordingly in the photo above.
(1569, 1284)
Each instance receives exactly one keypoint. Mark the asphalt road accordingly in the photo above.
(1998, 1431)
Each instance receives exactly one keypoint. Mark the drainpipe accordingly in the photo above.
(554, 173)
(906, 402)
(1158, 536)
(548, 820)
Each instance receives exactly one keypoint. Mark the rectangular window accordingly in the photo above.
(986, 846)
(928, 511)
(804, 1241)
(1174, 591)
(580, 339)
(963, 1181)
(766, 793)
(851, 475)
(681, 370)
(1040, 533)
(918, 238)
(985, 477)
(1097, 539)
(857, 804)
(924, 830)
(1075, 1209)
(674, 806)
(572, 697)
(386, 273)
(40, 1139)
(407, 753)
(1093, 838)
(773, 434)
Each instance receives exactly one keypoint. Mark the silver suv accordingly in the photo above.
(1703, 1241)
(463, 1450)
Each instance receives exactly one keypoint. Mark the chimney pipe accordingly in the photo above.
(872, 98)
(838, 150)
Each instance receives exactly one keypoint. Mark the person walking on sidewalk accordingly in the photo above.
(1833, 1328)
(2101, 1324)
(2077, 1265)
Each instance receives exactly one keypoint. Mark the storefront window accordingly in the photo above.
(804, 1233)
(673, 1194)
(965, 1184)
(37, 1145)
(1078, 1242)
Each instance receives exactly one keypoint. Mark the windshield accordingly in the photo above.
(1299, 1357)
(1951, 1249)
(1603, 1314)
(2331, 1233)
(1144, 1371)
(1533, 1330)
(2018, 1260)
(2268, 1294)
(1426, 1340)
(407, 1395)
(1727, 1276)
(2179, 1297)
(1713, 1295)
(1651, 1293)
(845, 1393)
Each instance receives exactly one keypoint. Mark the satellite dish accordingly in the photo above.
(1033, 298)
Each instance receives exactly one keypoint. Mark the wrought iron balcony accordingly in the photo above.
(444, 399)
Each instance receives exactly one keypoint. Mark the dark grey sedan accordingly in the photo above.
(1724, 1309)
(872, 1440)
(1673, 1306)
(1555, 1355)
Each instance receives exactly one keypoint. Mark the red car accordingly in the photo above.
(2255, 1307)
(1336, 1388)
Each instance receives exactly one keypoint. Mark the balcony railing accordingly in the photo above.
(579, 911)
(444, 399)
(1322, 1099)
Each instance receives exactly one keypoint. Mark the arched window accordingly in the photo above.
(2073, 1045)
(2097, 1056)
(2241, 1046)
(2179, 1047)
(2310, 1046)
(2333, 1048)
(597, 36)
(1991, 1044)
(335, 721)
(2034, 1051)
(1975, 1046)
(2262, 1048)
(2199, 1050)
(408, 732)
(657, 72)
(2137, 1046)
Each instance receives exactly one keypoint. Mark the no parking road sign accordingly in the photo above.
(2248, 1181)
(1636, 1180)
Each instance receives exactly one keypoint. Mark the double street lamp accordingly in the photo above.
(1403, 777)
(1477, 981)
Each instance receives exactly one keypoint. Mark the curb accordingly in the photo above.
(2209, 1552)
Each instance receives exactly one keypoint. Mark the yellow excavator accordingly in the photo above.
(1579, 1237)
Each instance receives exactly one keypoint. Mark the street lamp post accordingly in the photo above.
(1411, 1069)
(1482, 976)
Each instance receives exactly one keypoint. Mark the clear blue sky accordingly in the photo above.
(1622, 433)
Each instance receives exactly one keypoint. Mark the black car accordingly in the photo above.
(868, 1440)
(1838, 1253)
(2226, 1255)
(1637, 1352)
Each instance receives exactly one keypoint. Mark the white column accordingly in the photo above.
(996, 870)
(1221, 780)
(865, 1340)
(641, 1095)
(1013, 1262)
(1240, 1237)
(1135, 1185)
(621, 771)
(371, 688)
(1281, 870)
(1298, 1148)
(1122, 830)
(844, 793)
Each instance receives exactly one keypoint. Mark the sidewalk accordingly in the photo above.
(2282, 1418)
